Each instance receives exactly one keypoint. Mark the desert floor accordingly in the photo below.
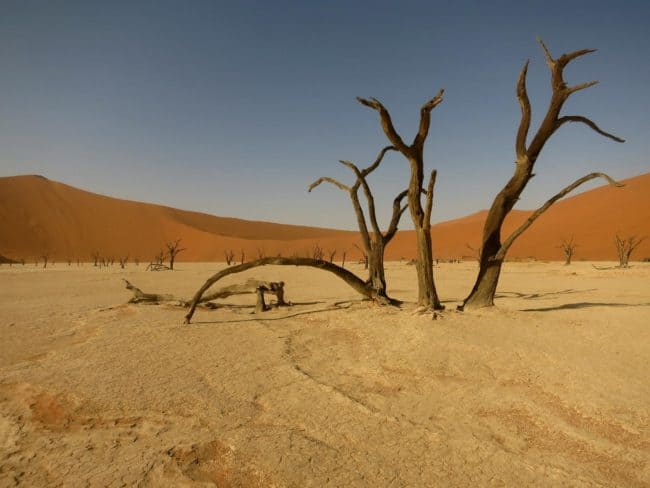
(550, 388)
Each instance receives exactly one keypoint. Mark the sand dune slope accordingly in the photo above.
(39, 216)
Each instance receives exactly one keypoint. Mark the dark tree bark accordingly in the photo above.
(482, 294)
(493, 251)
(420, 215)
(352, 280)
(375, 241)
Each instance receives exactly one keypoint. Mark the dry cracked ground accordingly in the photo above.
(549, 389)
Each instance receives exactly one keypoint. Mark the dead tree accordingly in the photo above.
(493, 250)
(45, 257)
(250, 286)
(343, 259)
(375, 241)
(624, 248)
(229, 255)
(95, 257)
(359, 285)
(123, 261)
(331, 253)
(260, 253)
(420, 214)
(173, 250)
(317, 252)
(568, 248)
(242, 258)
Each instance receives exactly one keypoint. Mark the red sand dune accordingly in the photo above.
(40, 216)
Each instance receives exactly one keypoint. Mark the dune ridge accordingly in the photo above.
(40, 216)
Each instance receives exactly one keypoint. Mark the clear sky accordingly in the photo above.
(233, 108)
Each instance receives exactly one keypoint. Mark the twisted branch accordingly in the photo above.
(529, 221)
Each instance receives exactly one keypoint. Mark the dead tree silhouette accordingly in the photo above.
(173, 250)
(375, 242)
(420, 215)
(624, 248)
(568, 248)
(493, 250)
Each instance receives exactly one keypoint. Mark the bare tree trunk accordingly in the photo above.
(427, 294)
(493, 251)
(482, 295)
(377, 278)
(414, 153)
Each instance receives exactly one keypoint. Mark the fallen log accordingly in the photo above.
(249, 287)
(363, 288)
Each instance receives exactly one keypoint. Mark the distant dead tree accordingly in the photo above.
(624, 248)
(69, 261)
(331, 253)
(317, 252)
(230, 256)
(420, 215)
(242, 257)
(343, 254)
(123, 261)
(260, 253)
(173, 250)
(493, 250)
(45, 257)
(568, 248)
(95, 257)
(136, 261)
(375, 242)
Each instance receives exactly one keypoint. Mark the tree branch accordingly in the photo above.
(572, 89)
(328, 180)
(352, 280)
(578, 118)
(429, 202)
(524, 124)
(529, 221)
(425, 118)
(398, 210)
(380, 157)
(386, 123)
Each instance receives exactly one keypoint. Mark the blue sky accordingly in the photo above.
(233, 108)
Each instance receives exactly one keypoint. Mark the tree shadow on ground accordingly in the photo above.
(574, 306)
(535, 296)
(343, 305)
